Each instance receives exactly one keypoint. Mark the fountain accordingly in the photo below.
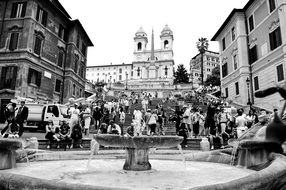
(264, 165)
(8, 149)
(137, 148)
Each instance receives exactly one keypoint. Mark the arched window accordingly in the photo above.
(166, 44)
(139, 46)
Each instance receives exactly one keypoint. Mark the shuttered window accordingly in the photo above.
(8, 77)
(18, 10)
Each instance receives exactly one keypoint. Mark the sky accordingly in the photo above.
(112, 24)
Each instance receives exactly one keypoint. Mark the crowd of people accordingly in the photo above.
(211, 118)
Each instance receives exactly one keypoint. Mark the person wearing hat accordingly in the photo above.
(22, 116)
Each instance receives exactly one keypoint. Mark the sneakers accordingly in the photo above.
(48, 147)
(80, 146)
(58, 146)
(212, 147)
(71, 146)
(67, 147)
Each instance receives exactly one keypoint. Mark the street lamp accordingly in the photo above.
(248, 90)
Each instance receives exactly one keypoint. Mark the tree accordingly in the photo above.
(181, 75)
(214, 78)
(202, 45)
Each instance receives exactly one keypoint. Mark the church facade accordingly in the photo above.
(150, 69)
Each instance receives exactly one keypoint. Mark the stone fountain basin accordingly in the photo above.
(140, 142)
(272, 177)
(10, 144)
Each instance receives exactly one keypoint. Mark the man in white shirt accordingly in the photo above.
(240, 122)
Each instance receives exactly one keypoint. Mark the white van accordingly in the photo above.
(40, 114)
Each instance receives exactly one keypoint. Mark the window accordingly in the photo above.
(251, 23)
(235, 64)
(62, 32)
(256, 83)
(138, 72)
(236, 88)
(275, 38)
(73, 90)
(77, 41)
(166, 44)
(280, 73)
(233, 33)
(8, 77)
(42, 16)
(252, 55)
(18, 10)
(38, 45)
(80, 93)
(120, 70)
(196, 74)
(34, 77)
(226, 92)
(61, 57)
(58, 85)
(139, 46)
(224, 70)
(13, 41)
(271, 5)
(208, 70)
(223, 44)
(83, 49)
(120, 77)
(76, 59)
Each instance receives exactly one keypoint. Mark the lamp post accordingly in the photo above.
(248, 92)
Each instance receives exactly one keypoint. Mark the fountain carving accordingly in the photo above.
(137, 148)
(255, 152)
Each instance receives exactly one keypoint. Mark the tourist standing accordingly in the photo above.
(240, 122)
(210, 124)
(152, 122)
(87, 119)
(146, 118)
(22, 116)
(196, 120)
(97, 116)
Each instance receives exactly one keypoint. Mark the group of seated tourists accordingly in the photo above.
(63, 134)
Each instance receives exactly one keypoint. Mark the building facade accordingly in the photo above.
(42, 52)
(150, 68)
(210, 61)
(252, 48)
